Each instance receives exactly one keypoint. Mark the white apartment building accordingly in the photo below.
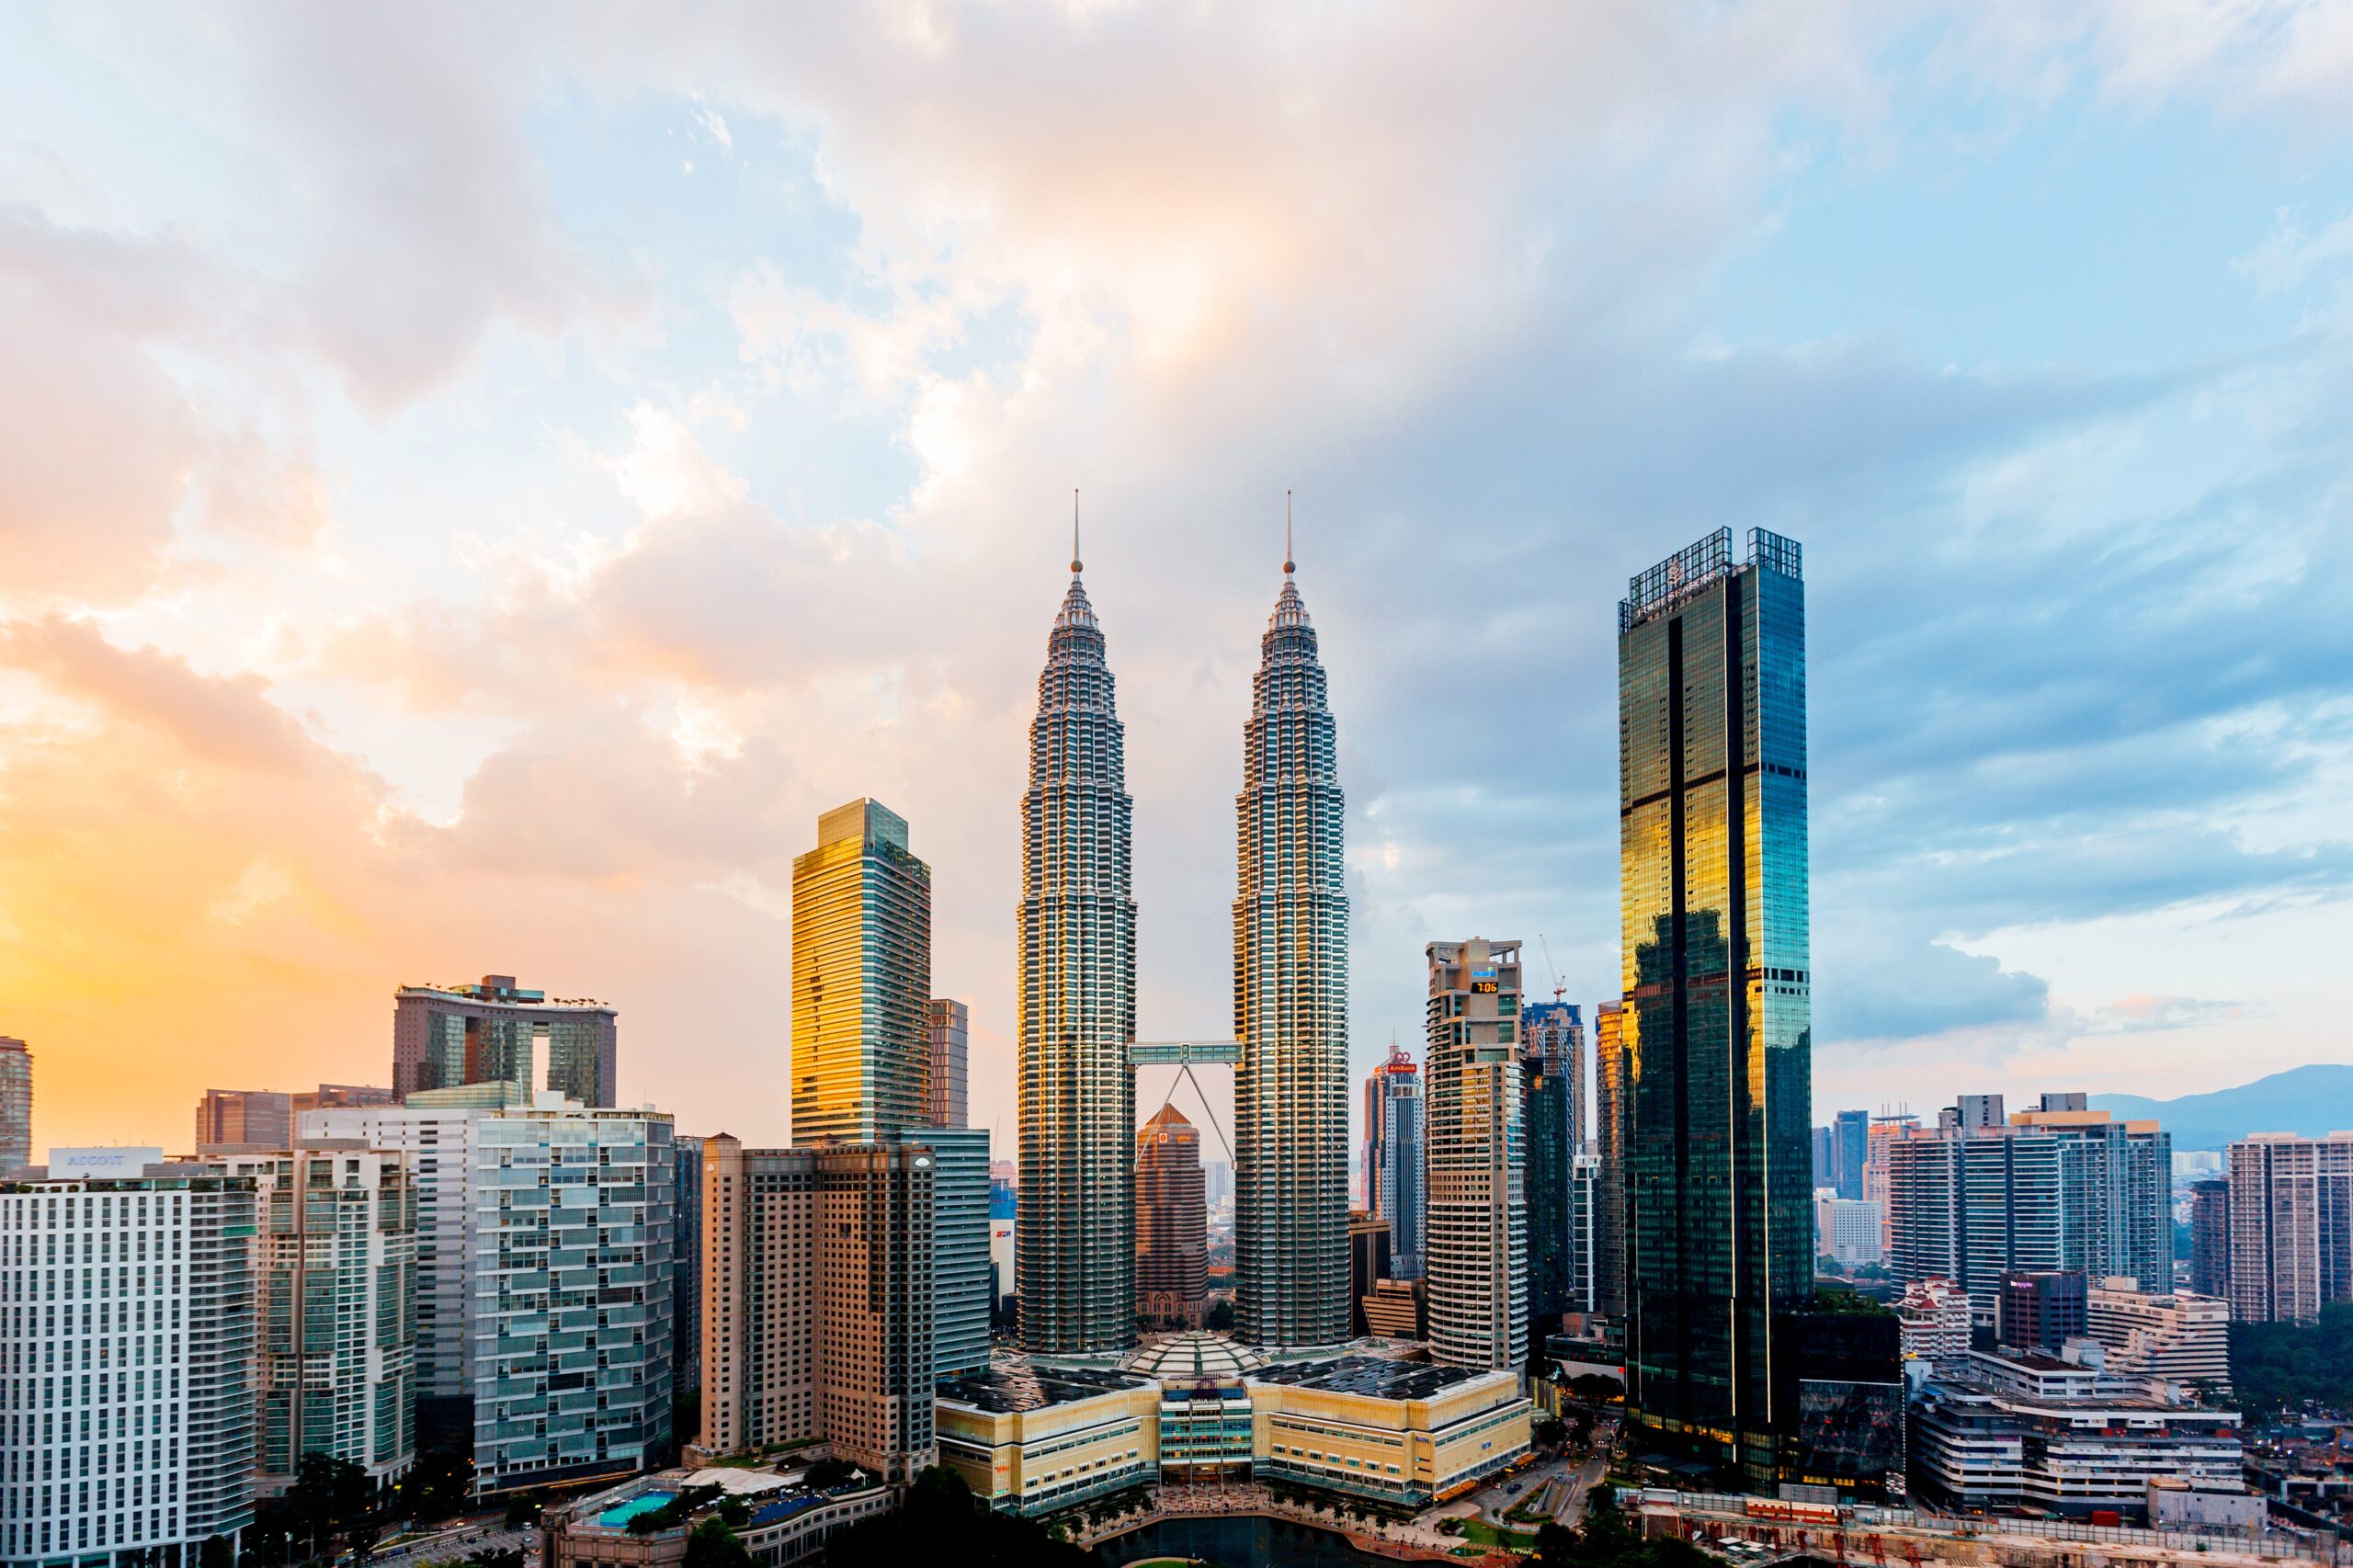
(1934, 1321)
(125, 1356)
(436, 1133)
(1998, 1430)
(335, 1281)
(2182, 1338)
(543, 1338)
(576, 1211)
(1847, 1230)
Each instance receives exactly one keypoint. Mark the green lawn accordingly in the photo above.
(1482, 1533)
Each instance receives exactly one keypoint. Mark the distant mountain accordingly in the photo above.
(2310, 1100)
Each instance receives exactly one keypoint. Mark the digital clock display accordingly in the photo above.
(1483, 987)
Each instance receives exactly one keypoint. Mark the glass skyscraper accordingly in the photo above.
(1078, 952)
(1552, 1095)
(1717, 1026)
(861, 978)
(1290, 996)
(1394, 1170)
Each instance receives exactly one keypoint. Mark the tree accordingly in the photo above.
(332, 1505)
(2283, 1366)
(436, 1486)
(940, 1521)
(827, 1473)
(1549, 1432)
(1220, 1316)
(711, 1544)
(216, 1552)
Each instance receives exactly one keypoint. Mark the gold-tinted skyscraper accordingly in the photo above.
(1716, 1029)
(861, 978)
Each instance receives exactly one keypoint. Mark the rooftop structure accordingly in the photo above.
(443, 1035)
(785, 1521)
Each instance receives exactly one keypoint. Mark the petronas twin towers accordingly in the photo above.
(1077, 1243)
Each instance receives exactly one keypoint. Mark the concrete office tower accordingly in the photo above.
(447, 1035)
(1368, 1266)
(244, 1119)
(2210, 1237)
(1172, 1222)
(574, 1215)
(2173, 1335)
(818, 1301)
(2041, 1310)
(1078, 986)
(1290, 1001)
(1611, 1073)
(145, 1275)
(334, 1300)
(1394, 1172)
(1552, 1096)
(16, 1103)
(439, 1141)
(1477, 1266)
(945, 1088)
(686, 1271)
(2046, 1189)
(1718, 974)
(1850, 1143)
(861, 978)
(2291, 1246)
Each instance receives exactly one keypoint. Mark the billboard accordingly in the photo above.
(1851, 1428)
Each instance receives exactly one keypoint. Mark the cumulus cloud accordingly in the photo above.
(1441, 274)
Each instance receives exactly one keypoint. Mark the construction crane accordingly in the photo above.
(1559, 989)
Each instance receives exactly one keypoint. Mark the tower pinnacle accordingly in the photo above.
(1073, 531)
(1289, 564)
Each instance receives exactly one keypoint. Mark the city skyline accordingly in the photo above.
(507, 529)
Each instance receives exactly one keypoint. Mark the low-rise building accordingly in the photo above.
(1407, 1433)
(784, 1521)
(1934, 1319)
(2180, 1337)
(1032, 1440)
(2180, 1503)
(2021, 1428)
(1196, 1407)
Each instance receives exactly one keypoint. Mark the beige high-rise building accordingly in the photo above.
(1476, 1261)
(244, 1119)
(817, 1273)
(2174, 1336)
(862, 979)
(2291, 1225)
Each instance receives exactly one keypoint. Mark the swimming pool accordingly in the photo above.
(621, 1514)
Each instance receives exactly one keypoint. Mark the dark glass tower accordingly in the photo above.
(1076, 1254)
(1552, 1065)
(1291, 1002)
(1717, 1026)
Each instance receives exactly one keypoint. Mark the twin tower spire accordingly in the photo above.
(1077, 928)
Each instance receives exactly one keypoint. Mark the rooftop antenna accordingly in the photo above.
(1074, 530)
(1289, 564)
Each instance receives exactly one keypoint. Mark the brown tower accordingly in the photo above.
(1172, 1220)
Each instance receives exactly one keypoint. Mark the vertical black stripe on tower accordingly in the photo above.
(1678, 1027)
(1744, 1140)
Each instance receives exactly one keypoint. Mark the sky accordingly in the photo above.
(476, 482)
